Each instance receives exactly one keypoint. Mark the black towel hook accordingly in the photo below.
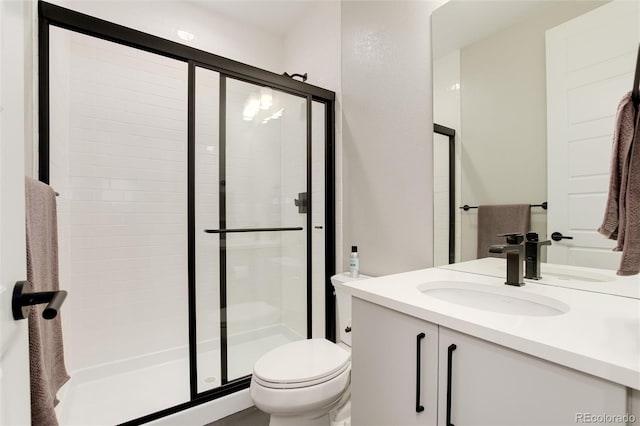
(23, 299)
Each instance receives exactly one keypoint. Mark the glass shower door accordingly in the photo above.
(261, 231)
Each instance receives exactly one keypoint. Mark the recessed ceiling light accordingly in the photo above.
(185, 35)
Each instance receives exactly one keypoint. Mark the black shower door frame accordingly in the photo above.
(52, 15)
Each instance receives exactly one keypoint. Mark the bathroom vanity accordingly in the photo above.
(446, 347)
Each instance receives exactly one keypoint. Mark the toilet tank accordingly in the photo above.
(343, 308)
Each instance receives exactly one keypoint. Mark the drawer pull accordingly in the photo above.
(419, 337)
(449, 370)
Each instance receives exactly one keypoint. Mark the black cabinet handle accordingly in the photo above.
(419, 337)
(449, 369)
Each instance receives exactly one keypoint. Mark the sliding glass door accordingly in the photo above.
(196, 215)
(251, 224)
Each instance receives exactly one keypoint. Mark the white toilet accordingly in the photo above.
(307, 382)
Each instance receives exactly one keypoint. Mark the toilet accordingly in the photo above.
(308, 382)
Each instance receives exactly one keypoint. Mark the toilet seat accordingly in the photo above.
(301, 384)
(305, 401)
(301, 364)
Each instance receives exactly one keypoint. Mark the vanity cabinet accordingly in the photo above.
(494, 385)
(477, 382)
(384, 361)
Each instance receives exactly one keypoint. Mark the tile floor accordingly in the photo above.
(249, 417)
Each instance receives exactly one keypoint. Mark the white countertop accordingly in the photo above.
(599, 335)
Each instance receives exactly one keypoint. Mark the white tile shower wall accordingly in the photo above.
(213, 32)
(127, 199)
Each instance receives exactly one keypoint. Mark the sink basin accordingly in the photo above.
(493, 299)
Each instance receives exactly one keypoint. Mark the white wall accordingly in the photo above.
(387, 134)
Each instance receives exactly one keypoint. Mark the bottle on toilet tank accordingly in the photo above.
(354, 262)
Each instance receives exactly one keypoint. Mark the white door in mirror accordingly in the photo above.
(590, 66)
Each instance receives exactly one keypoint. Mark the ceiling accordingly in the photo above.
(273, 16)
(461, 22)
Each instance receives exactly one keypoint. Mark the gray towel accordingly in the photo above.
(500, 219)
(46, 354)
(622, 215)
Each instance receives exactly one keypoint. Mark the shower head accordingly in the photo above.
(302, 76)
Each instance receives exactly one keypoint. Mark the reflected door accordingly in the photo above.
(251, 224)
(590, 66)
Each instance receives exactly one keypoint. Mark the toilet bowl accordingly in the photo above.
(307, 382)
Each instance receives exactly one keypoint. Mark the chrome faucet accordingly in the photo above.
(515, 257)
(532, 249)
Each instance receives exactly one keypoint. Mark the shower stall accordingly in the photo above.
(195, 216)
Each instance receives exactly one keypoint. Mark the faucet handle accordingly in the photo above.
(533, 237)
(513, 237)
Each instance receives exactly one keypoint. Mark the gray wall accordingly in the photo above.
(387, 135)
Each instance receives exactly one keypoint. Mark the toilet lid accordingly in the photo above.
(301, 362)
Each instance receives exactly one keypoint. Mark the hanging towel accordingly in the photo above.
(630, 262)
(622, 215)
(46, 354)
(500, 219)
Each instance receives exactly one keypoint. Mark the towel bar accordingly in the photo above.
(23, 298)
(467, 207)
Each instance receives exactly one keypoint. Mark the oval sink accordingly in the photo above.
(489, 298)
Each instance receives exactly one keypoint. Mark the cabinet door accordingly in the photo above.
(386, 369)
(494, 385)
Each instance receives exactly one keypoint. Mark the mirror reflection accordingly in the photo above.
(531, 90)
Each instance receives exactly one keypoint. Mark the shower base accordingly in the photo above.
(117, 392)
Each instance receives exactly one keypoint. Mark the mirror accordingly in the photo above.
(531, 89)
